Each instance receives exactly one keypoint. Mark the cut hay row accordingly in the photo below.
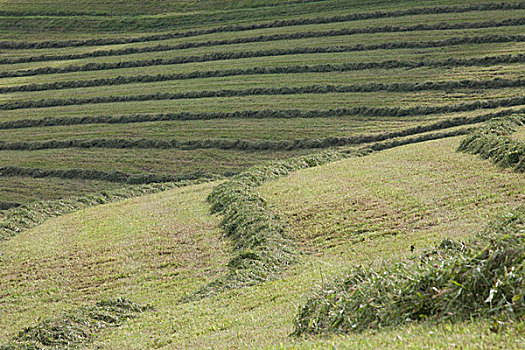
(110, 14)
(110, 176)
(260, 246)
(221, 56)
(296, 69)
(265, 38)
(9, 205)
(456, 281)
(26, 216)
(76, 327)
(249, 145)
(496, 83)
(262, 249)
(364, 111)
(275, 24)
(493, 141)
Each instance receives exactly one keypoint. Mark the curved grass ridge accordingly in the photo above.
(485, 277)
(496, 83)
(268, 38)
(235, 55)
(76, 327)
(261, 248)
(9, 205)
(266, 113)
(492, 141)
(26, 216)
(275, 24)
(296, 69)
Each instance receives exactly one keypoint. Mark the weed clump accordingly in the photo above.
(485, 277)
(75, 327)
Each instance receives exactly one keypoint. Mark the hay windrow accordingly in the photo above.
(76, 327)
(482, 278)
(493, 141)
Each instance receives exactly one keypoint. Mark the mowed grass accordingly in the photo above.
(25, 189)
(159, 242)
(276, 81)
(222, 14)
(157, 248)
(328, 41)
(176, 162)
(404, 21)
(519, 134)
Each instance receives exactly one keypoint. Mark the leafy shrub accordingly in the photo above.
(485, 277)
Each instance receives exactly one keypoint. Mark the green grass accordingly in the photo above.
(159, 248)
(26, 190)
(519, 134)
(172, 161)
(199, 18)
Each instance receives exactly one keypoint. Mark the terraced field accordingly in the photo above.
(103, 101)
(181, 103)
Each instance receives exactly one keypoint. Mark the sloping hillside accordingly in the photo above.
(157, 249)
(188, 174)
(180, 104)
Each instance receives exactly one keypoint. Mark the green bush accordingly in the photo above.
(485, 277)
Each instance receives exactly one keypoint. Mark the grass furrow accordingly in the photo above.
(283, 114)
(497, 83)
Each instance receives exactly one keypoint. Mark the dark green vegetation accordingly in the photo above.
(75, 327)
(494, 141)
(456, 281)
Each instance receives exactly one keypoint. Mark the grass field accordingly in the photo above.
(99, 95)
(163, 246)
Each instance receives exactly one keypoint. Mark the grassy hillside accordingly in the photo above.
(159, 248)
(239, 93)
(348, 114)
